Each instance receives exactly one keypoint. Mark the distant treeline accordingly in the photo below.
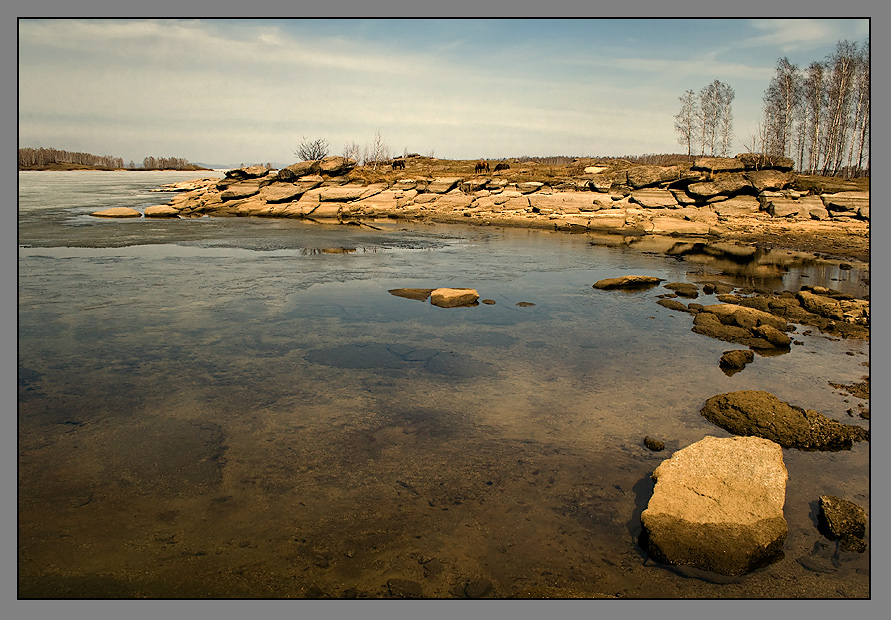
(36, 158)
(43, 157)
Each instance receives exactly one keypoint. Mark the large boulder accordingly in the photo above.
(757, 413)
(300, 169)
(335, 166)
(718, 506)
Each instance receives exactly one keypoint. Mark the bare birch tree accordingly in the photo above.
(685, 121)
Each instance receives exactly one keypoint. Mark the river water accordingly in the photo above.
(238, 407)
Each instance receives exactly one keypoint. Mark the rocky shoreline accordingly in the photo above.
(747, 199)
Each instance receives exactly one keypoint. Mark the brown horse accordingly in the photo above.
(501, 166)
(481, 166)
(398, 164)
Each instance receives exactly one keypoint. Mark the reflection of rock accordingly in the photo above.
(453, 297)
(420, 294)
(761, 414)
(718, 506)
(843, 520)
(629, 282)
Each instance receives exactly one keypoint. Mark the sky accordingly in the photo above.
(230, 92)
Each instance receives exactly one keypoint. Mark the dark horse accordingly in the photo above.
(481, 166)
(501, 167)
(398, 163)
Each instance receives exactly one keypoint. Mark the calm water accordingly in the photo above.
(237, 407)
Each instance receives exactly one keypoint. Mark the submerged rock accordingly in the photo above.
(761, 414)
(718, 506)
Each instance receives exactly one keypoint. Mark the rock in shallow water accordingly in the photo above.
(718, 506)
(761, 414)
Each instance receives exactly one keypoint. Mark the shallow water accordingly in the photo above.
(237, 407)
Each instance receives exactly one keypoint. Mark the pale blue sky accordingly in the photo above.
(246, 91)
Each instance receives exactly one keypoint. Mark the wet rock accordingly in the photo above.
(489, 302)
(628, 282)
(653, 444)
(761, 414)
(672, 304)
(453, 297)
(772, 335)
(843, 521)
(404, 588)
(684, 289)
(708, 324)
(718, 506)
(117, 212)
(737, 359)
(525, 304)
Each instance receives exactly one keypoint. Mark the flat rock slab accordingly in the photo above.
(117, 212)
(761, 414)
(718, 506)
(632, 282)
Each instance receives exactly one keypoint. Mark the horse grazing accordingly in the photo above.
(398, 164)
(481, 166)
(501, 166)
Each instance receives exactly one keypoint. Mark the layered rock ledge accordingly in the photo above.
(739, 197)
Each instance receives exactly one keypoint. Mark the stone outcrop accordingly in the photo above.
(718, 506)
(755, 413)
(687, 200)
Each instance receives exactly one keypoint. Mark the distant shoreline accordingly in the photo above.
(62, 167)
